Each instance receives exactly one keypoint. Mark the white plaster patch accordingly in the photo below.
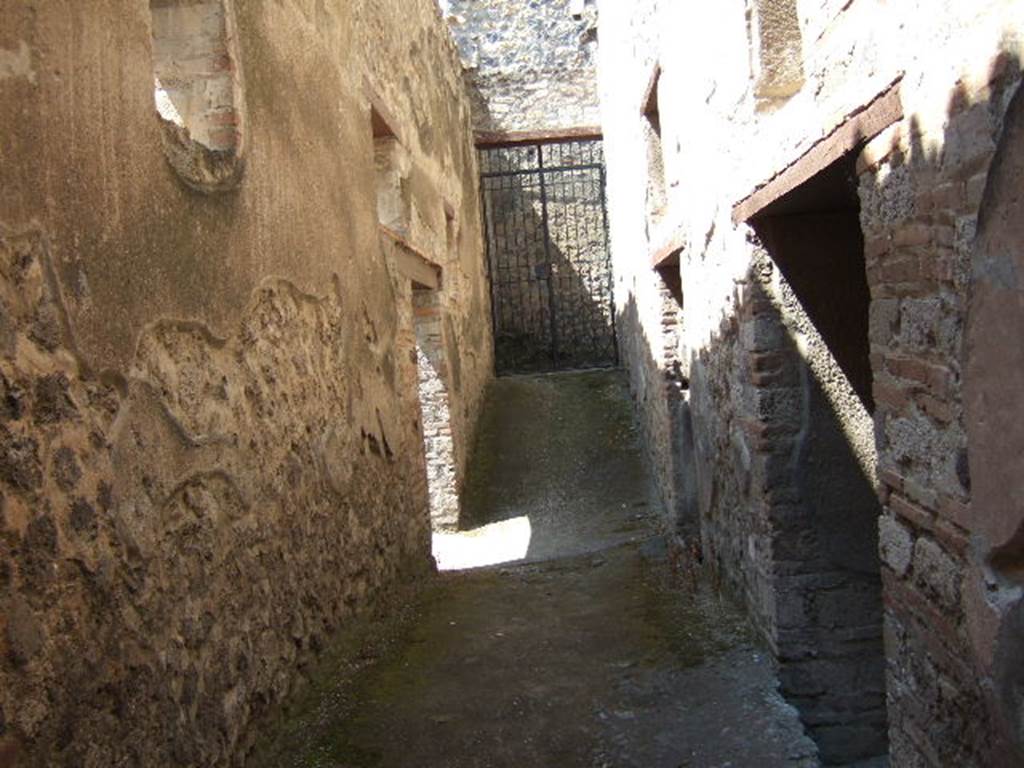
(17, 64)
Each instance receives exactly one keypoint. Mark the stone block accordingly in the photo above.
(883, 317)
(937, 571)
(895, 544)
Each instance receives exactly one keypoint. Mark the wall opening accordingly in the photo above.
(198, 91)
(434, 370)
(680, 499)
(391, 168)
(656, 193)
(776, 50)
(684, 503)
(826, 570)
(435, 408)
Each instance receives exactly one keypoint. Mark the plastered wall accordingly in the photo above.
(211, 450)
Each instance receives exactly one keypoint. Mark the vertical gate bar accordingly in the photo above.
(608, 258)
(582, 256)
(490, 269)
(547, 256)
(597, 268)
(518, 319)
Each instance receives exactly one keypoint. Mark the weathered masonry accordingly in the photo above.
(212, 440)
(809, 236)
(251, 258)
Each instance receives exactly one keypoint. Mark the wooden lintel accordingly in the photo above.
(511, 138)
(667, 253)
(649, 103)
(412, 262)
(884, 110)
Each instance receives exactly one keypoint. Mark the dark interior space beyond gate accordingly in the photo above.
(827, 571)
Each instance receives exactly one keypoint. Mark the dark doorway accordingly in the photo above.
(550, 267)
(826, 570)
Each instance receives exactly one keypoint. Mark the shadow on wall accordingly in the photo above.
(952, 584)
(770, 438)
(787, 515)
(671, 423)
(994, 413)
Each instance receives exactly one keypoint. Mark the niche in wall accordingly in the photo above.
(391, 167)
(198, 90)
(776, 43)
(657, 196)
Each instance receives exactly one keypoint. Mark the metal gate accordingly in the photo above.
(547, 250)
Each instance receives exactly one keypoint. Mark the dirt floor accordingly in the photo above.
(593, 649)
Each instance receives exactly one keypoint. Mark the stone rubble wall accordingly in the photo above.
(920, 186)
(531, 65)
(443, 471)
(211, 451)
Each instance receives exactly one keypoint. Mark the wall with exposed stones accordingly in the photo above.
(762, 370)
(531, 65)
(211, 448)
(548, 253)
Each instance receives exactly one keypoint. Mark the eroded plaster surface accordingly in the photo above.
(211, 449)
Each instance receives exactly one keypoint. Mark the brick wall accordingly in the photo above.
(750, 354)
(920, 218)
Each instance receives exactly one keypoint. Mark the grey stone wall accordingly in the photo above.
(444, 470)
(531, 65)
(210, 445)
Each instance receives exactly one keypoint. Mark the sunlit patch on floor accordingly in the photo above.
(503, 542)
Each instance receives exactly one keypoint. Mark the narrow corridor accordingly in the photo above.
(590, 651)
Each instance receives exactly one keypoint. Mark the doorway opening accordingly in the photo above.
(435, 409)
(826, 570)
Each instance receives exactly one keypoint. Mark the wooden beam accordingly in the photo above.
(884, 110)
(412, 262)
(511, 138)
(667, 253)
